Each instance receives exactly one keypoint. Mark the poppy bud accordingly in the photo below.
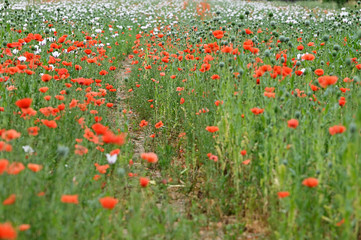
(353, 128)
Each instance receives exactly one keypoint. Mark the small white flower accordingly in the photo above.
(111, 158)
(56, 54)
(42, 43)
(22, 58)
(28, 149)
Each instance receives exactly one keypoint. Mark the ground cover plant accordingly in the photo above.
(179, 120)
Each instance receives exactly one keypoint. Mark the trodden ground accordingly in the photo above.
(179, 120)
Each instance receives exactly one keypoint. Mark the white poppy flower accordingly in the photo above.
(28, 149)
(22, 58)
(111, 158)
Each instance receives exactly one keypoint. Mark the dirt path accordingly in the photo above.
(136, 137)
(177, 199)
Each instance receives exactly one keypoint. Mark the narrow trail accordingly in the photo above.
(177, 199)
(137, 137)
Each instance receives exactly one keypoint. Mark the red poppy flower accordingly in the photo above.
(49, 123)
(143, 123)
(10, 200)
(327, 80)
(159, 124)
(150, 157)
(293, 123)
(215, 76)
(212, 129)
(342, 101)
(257, 111)
(3, 165)
(24, 227)
(300, 47)
(7, 231)
(308, 57)
(24, 103)
(218, 34)
(337, 129)
(143, 181)
(33, 131)
(319, 72)
(246, 162)
(310, 182)
(69, 199)
(10, 135)
(283, 194)
(35, 167)
(15, 168)
(108, 202)
(46, 77)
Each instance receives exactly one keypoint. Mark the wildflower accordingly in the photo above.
(15, 168)
(24, 103)
(293, 123)
(80, 150)
(319, 72)
(108, 202)
(308, 57)
(342, 221)
(246, 162)
(159, 124)
(143, 181)
(110, 137)
(342, 101)
(69, 199)
(33, 131)
(283, 194)
(3, 165)
(310, 182)
(115, 152)
(10, 135)
(212, 129)
(111, 158)
(7, 231)
(28, 149)
(150, 157)
(49, 123)
(102, 169)
(215, 76)
(218, 34)
(337, 129)
(10, 200)
(325, 81)
(257, 111)
(300, 47)
(143, 123)
(181, 134)
(46, 77)
(213, 158)
(35, 167)
(99, 129)
(24, 227)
